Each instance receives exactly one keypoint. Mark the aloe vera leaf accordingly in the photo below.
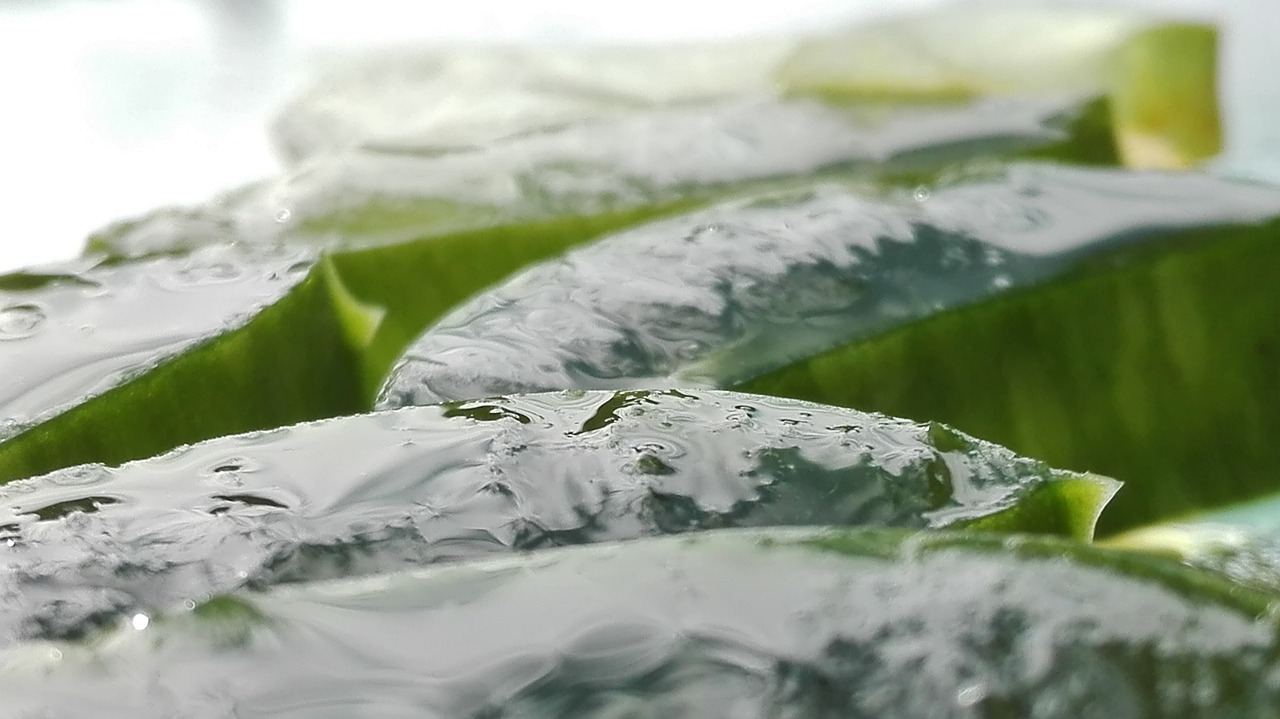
(288, 361)
(431, 100)
(467, 97)
(339, 330)
(454, 266)
(76, 329)
(965, 50)
(1148, 367)
(378, 492)
(410, 146)
(718, 297)
(685, 154)
(1240, 541)
(727, 624)
(1165, 107)
(385, 282)
(1160, 76)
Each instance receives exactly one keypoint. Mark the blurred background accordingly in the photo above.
(112, 108)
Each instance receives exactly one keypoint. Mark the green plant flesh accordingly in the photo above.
(1152, 367)
(1095, 320)
(375, 493)
(315, 370)
(838, 623)
(620, 383)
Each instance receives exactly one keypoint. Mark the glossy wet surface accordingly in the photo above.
(379, 193)
(724, 625)
(74, 330)
(717, 297)
(374, 493)
(108, 574)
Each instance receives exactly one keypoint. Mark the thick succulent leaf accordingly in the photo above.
(112, 361)
(717, 297)
(1241, 542)
(340, 329)
(689, 153)
(409, 145)
(1160, 76)
(413, 284)
(1090, 293)
(727, 624)
(131, 359)
(428, 100)
(1147, 366)
(74, 330)
(376, 492)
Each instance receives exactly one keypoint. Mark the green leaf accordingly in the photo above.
(427, 100)
(814, 623)
(1114, 321)
(381, 302)
(372, 493)
(76, 329)
(121, 360)
(1241, 542)
(1160, 76)
(1145, 365)
(1165, 105)
(686, 154)
(319, 351)
(414, 143)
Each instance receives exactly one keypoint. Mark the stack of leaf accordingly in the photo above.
(526, 301)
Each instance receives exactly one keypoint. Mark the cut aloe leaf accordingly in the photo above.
(372, 493)
(1241, 542)
(718, 297)
(73, 331)
(1149, 366)
(686, 154)
(421, 100)
(433, 101)
(77, 329)
(1160, 77)
(320, 351)
(132, 359)
(408, 145)
(1094, 293)
(1165, 105)
(414, 284)
(727, 624)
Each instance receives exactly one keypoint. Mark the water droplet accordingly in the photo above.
(55, 654)
(299, 268)
(208, 273)
(233, 465)
(283, 215)
(71, 508)
(189, 605)
(921, 193)
(12, 425)
(140, 621)
(80, 475)
(19, 321)
(1002, 282)
(971, 695)
(702, 231)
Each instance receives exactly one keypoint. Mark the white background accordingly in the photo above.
(110, 108)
